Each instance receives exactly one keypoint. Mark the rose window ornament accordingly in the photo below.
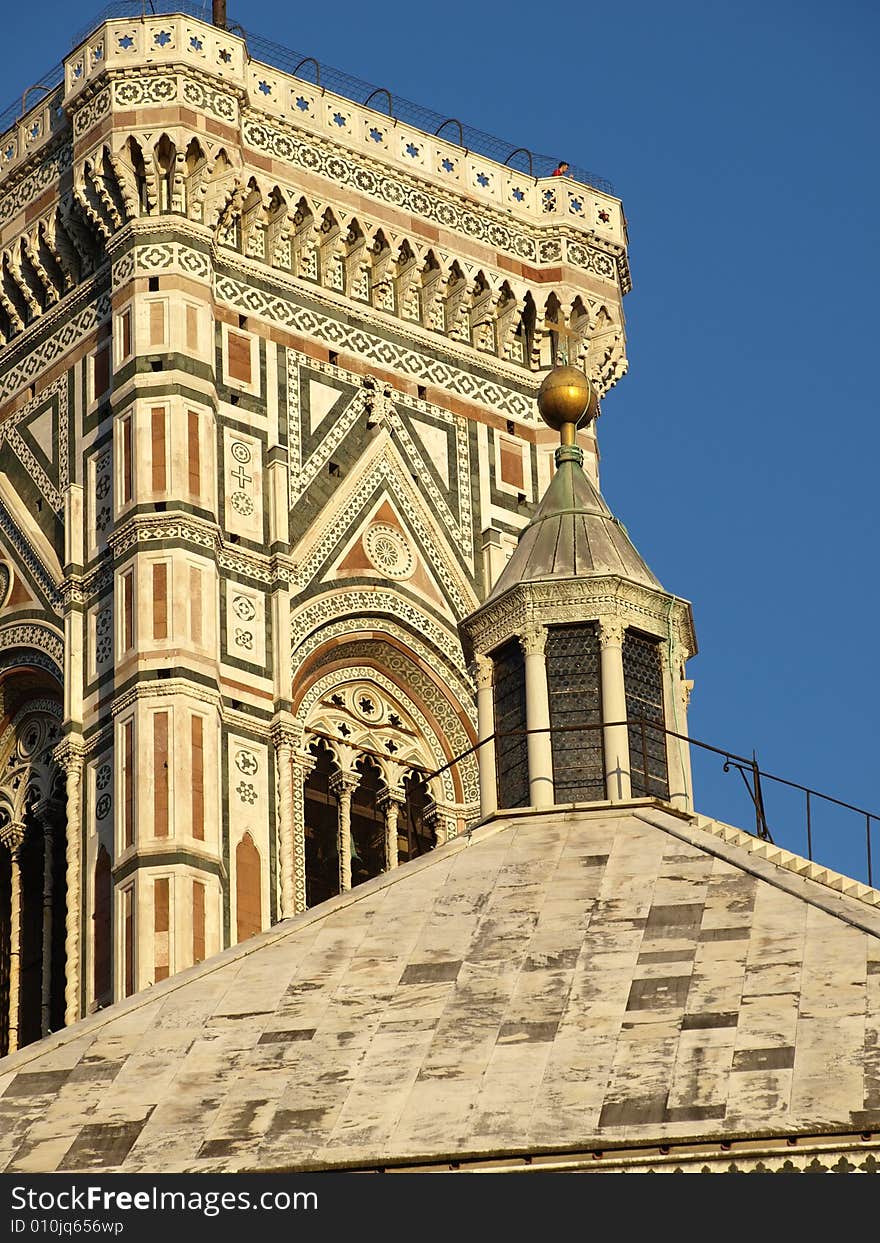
(388, 551)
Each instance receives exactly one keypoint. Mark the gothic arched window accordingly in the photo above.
(367, 825)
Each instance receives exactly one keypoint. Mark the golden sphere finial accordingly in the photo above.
(567, 400)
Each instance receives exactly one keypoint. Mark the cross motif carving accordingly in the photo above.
(240, 476)
(564, 342)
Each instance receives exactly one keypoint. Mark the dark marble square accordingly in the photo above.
(668, 993)
(764, 1059)
(682, 955)
(430, 972)
(680, 920)
(636, 1112)
(102, 1144)
(527, 1033)
(725, 934)
(37, 1083)
(297, 1033)
(697, 1022)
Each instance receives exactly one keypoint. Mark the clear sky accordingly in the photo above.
(741, 449)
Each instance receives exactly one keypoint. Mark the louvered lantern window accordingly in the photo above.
(643, 681)
(575, 700)
(511, 750)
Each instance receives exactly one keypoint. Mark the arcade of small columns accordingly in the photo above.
(296, 763)
(532, 638)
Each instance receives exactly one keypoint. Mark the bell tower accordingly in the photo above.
(268, 360)
(579, 652)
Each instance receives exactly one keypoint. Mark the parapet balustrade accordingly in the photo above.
(180, 42)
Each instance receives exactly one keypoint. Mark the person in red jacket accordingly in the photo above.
(561, 169)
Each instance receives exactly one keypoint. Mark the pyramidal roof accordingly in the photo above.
(573, 533)
(589, 989)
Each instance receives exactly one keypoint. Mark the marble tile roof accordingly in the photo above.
(573, 980)
(573, 534)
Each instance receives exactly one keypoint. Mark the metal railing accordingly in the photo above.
(326, 77)
(752, 774)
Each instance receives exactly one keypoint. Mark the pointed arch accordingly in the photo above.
(529, 339)
(305, 249)
(278, 224)
(195, 180)
(165, 159)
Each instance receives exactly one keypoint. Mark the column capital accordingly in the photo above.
(70, 755)
(481, 670)
(285, 734)
(390, 794)
(533, 639)
(12, 836)
(442, 820)
(47, 811)
(611, 631)
(304, 761)
(341, 783)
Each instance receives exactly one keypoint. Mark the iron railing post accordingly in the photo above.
(809, 829)
(868, 840)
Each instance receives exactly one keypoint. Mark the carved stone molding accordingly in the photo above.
(583, 599)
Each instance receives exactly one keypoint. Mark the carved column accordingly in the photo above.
(540, 748)
(283, 738)
(390, 801)
(343, 785)
(482, 670)
(69, 756)
(12, 836)
(301, 765)
(615, 736)
(46, 813)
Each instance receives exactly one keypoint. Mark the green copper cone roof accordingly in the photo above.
(572, 535)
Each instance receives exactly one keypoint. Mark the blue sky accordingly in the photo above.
(741, 449)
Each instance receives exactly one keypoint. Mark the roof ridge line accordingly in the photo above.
(773, 870)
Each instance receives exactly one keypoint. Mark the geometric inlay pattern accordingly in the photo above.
(68, 335)
(317, 620)
(26, 434)
(345, 414)
(372, 347)
(385, 475)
